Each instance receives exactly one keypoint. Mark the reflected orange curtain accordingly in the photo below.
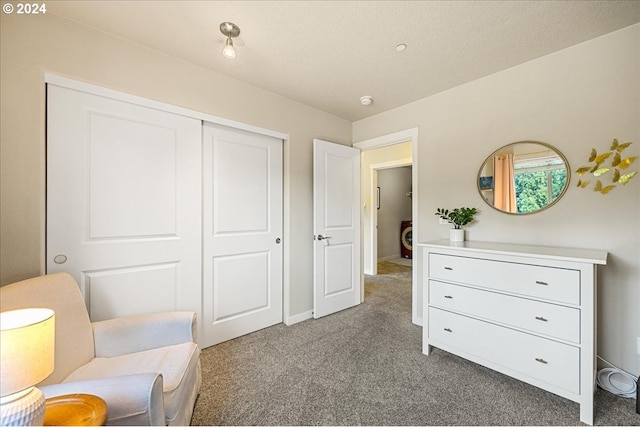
(504, 184)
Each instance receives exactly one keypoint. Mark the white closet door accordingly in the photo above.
(124, 203)
(242, 232)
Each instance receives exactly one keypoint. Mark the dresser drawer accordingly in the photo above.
(549, 361)
(549, 283)
(544, 318)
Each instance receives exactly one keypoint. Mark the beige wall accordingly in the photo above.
(576, 99)
(34, 45)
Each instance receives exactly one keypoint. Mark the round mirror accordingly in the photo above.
(523, 177)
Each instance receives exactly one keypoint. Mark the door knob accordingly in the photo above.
(321, 237)
(278, 240)
(60, 259)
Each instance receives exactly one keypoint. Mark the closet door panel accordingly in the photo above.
(124, 203)
(242, 233)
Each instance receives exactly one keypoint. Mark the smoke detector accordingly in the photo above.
(366, 100)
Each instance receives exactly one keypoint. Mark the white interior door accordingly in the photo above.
(123, 203)
(336, 218)
(242, 232)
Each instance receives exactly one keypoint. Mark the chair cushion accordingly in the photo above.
(177, 364)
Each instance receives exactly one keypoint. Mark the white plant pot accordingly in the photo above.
(456, 235)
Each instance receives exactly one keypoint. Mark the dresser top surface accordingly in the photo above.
(549, 252)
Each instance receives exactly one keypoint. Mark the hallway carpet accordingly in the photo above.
(364, 366)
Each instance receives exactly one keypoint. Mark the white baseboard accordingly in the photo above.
(389, 257)
(297, 318)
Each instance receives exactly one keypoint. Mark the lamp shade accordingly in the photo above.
(229, 51)
(27, 339)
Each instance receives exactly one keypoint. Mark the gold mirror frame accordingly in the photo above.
(486, 175)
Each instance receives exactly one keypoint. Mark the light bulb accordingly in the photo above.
(229, 51)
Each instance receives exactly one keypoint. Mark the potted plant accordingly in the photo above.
(458, 217)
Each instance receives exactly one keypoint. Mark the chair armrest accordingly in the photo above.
(124, 335)
(131, 399)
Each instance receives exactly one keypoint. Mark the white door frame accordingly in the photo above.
(373, 213)
(408, 135)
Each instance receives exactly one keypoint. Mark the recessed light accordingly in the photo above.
(401, 47)
(366, 100)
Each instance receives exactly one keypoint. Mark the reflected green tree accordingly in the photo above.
(533, 191)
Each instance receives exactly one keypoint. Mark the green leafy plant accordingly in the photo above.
(459, 217)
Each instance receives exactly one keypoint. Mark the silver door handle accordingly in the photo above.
(321, 237)
(278, 240)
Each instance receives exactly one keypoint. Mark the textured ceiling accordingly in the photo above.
(327, 54)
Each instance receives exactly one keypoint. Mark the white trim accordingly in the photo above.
(386, 258)
(297, 318)
(391, 139)
(392, 164)
(157, 105)
(286, 229)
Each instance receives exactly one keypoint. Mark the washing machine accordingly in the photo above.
(406, 239)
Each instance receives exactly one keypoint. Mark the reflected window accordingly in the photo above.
(538, 182)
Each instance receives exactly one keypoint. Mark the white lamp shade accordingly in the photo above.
(26, 347)
(229, 51)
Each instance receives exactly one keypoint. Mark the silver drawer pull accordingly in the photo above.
(541, 360)
(448, 268)
(448, 330)
(540, 282)
(448, 296)
(542, 319)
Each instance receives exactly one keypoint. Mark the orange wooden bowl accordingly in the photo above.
(75, 410)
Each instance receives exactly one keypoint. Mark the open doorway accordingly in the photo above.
(377, 201)
(394, 217)
(376, 155)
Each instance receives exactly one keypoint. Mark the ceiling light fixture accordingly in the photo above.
(401, 47)
(230, 30)
(366, 100)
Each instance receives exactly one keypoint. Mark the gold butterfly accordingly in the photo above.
(616, 175)
(601, 171)
(593, 155)
(583, 184)
(606, 189)
(598, 186)
(602, 157)
(616, 160)
(626, 177)
(621, 147)
(624, 163)
(614, 144)
(581, 171)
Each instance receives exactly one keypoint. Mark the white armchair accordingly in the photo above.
(145, 367)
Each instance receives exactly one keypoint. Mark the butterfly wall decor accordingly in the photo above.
(615, 163)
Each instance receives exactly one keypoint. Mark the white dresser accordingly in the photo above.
(526, 311)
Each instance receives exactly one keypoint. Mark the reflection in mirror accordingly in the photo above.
(523, 177)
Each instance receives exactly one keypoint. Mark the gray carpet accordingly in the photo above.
(364, 366)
